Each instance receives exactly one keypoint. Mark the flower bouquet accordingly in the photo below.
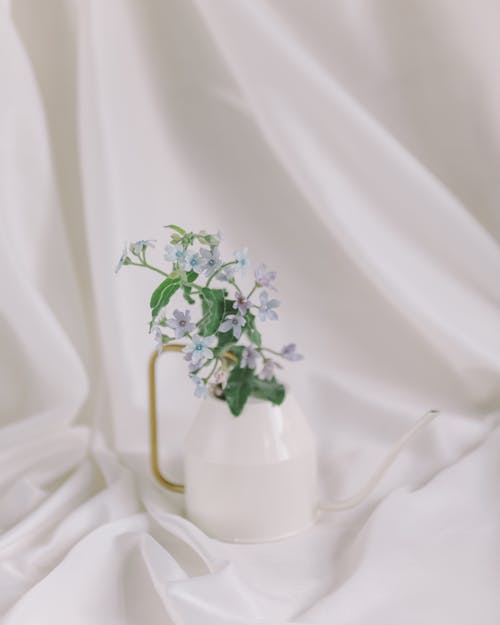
(224, 351)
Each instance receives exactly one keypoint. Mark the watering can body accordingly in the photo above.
(250, 478)
(253, 478)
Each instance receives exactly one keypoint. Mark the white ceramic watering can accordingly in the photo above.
(253, 478)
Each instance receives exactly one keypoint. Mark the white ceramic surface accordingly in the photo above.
(251, 478)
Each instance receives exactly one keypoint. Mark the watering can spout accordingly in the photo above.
(375, 478)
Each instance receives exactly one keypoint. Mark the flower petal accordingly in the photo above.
(197, 357)
(225, 325)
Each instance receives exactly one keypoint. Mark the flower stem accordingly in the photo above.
(266, 349)
(233, 282)
(232, 262)
(207, 378)
(149, 267)
(252, 291)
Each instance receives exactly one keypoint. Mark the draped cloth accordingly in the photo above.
(354, 147)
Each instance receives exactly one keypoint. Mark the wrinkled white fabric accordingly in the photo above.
(354, 147)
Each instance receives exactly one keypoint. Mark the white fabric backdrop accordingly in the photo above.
(354, 146)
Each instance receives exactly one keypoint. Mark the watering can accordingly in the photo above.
(253, 478)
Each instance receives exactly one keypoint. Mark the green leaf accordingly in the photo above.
(208, 239)
(186, 292)
(186, 289)
(178, 229)
(158, 292)
(202, 238)
(212, 241)
(228, 307)
(238, 388)
(212, 304)
(270, 390)
(252, 332)
(225, 339)
(162, 294)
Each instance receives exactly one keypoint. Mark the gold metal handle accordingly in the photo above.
(153, 422)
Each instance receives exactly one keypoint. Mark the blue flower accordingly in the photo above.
(210, 261)
(199, 349)
(193, 262)
(241, 257)
(234, 323)
(181, 323)
(175, 254)
(123, 258)
(139, 246)
(201, 389)
(249, 358)
(263, 277)
(289, 352)
(241, 303)
(266, 307)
